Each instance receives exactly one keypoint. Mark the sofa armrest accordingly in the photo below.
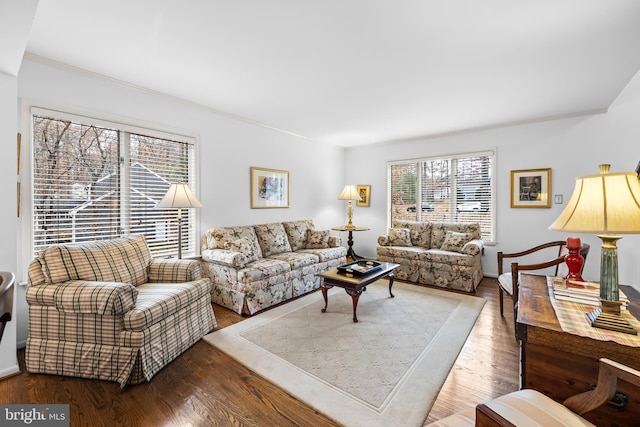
(334, 241)
(383, 240)
(85, 297)
(474, 247)
(225, 257)
(173, 270)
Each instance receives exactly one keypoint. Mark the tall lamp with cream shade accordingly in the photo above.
(350, 193)
(179, 196)
(607, 204)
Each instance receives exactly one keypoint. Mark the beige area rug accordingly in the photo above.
(385, 370)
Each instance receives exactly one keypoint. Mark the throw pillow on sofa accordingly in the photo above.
(244, 246)
(317, 239)
(399, 237)
(272, 238)
(454, 241)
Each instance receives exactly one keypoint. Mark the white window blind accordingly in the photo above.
(447, 188)
(97, 180)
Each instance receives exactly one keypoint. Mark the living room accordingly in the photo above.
(571, 144)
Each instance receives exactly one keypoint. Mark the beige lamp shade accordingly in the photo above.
(608, 203)
(349, 193)
(179, 196)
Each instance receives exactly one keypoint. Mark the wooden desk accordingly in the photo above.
(561, 364)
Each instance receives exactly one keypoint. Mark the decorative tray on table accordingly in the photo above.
(360, 267)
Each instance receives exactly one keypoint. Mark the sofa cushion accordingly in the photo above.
(262, 269)
(439, 231)
(244, 246)
(217, 237)
(297, 233)
(399, 237)
(272, 239)
(327, 254)
(420, 232)
(413, 253)
(317, 239)
(296, 260)
(159, 300)
(455, 241)
(123, 260)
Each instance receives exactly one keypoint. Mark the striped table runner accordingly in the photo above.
(572, 317)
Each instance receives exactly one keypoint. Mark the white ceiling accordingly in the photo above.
(353, 72)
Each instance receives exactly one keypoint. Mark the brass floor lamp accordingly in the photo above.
(179, 196)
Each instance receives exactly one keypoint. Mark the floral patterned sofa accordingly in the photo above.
(109, 311)
(256, 266)
(445, 254)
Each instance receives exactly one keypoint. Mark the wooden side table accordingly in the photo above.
(350, 252)
(562, 364)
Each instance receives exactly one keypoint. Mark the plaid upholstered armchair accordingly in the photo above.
(107, 310)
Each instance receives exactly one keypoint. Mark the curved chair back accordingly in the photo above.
(7, 280)
(508, 280)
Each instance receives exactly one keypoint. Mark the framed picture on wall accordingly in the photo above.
(269, 188)
(531, 188)
(365, 194)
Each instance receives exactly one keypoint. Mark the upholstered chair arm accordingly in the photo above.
(224, 257)
(474, 247)
(85, 297)
(173, 270)
(383, 240)
(334, 241)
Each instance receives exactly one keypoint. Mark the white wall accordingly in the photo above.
(8, 218)
(227, 150)
(572, 147)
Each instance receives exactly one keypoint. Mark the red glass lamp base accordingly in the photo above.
(574, 260)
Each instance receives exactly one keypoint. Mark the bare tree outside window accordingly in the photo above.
(92, 183)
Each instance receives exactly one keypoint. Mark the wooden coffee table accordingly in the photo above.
(354, 284)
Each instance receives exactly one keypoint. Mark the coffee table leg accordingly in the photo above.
(324, 289)
(391, 276)
(355, 296)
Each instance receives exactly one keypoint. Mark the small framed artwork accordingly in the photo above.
(269, 188)
(531, 188)
(365, 194)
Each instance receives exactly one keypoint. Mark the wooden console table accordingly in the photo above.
(561, 364)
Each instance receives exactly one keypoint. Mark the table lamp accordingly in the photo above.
(179, 196)
(607, 204)
(349, 193)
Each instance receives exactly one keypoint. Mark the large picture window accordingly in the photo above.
(97, 180)
(447, 188)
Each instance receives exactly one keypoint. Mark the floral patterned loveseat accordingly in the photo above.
(256, 266)
(445, 254)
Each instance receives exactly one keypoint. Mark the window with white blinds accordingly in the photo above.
(447, 188)
(95, 180)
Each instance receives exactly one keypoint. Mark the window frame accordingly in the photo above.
(450, 156)
(123, 125)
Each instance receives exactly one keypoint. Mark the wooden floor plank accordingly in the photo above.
(205, 387)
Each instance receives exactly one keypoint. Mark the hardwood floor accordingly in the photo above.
(205, 387)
